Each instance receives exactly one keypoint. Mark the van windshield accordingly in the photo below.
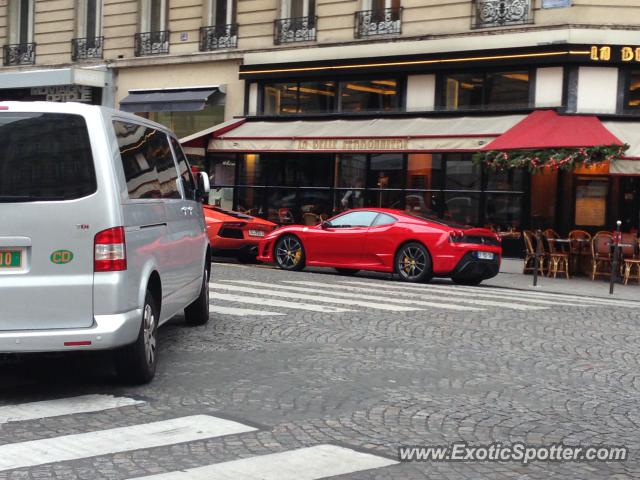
(44, 157)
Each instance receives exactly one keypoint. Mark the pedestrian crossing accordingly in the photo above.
(262, 298)
(310, 463)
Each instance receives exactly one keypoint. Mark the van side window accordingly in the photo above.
(167, 173)
(147, 161)
(185, 170)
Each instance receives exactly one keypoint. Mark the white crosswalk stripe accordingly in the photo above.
(359, 296)
(417, 300)
(242, 312)
(267, 291)
(270, 302)
(116, 440)
(519, 295)
(63, 406)
(473, 297)
(310, 463)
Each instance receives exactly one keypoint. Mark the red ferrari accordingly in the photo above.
(416, 248)
(235, 233)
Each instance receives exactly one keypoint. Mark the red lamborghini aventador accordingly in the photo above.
(416, 248)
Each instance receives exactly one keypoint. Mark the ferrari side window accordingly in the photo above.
(383, 219)
(354, 219)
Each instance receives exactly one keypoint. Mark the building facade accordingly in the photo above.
(322, 105)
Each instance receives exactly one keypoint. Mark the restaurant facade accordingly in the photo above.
(400, 131)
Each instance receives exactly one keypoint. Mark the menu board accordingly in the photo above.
(591, 202)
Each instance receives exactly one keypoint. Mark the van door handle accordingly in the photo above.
(185, 210)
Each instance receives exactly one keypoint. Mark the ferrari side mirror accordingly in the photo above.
(326, 224)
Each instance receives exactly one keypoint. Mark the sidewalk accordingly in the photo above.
(511, 277)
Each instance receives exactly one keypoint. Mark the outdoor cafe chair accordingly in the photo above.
(558, 259)
(601, 254)
(630, 260)
(579, 241)
(530, 254)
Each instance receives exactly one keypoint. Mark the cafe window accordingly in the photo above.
(321, 96)
(591, 201)
(251, 170)
(369, 96)
(481, 90)
(633, 92)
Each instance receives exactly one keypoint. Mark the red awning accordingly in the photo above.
(547, 129)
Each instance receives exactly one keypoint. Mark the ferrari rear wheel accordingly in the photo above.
(289, 253)
(413, 263)
(347, 271)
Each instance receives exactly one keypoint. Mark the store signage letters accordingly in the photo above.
(353, 144)
(65, 93)
(606, 53)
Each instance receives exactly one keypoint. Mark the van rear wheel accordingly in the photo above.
(136, 363)
(198, 312)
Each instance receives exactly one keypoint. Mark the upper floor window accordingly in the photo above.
(154, 38)
(496, 13)
(221, 30)
(633, 91)
(88, 43)
(330, 96)
(485, 90)
(21, 49)
(378, 17)
(296, 22)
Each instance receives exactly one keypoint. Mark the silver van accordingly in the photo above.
(102, 234)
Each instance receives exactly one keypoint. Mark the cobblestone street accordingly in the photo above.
(362, 362)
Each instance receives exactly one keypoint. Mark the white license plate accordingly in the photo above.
(485, 255)
(256, 233)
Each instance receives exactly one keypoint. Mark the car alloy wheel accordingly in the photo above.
(149, 334)
(413, 263)
(289, 253)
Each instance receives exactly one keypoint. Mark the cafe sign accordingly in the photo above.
(615, 53)
(353, 144)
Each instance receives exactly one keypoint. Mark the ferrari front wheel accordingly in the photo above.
(289, 253)
(413, 263)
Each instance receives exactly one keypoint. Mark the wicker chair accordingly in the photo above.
(579, 250)
(558, 259)
(630, 260)
(601, 255)
(530, 254)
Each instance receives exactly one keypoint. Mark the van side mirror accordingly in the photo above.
(203, 184)
(325, 224)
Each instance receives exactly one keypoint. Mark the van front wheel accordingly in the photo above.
(136, 363)
(198, 312)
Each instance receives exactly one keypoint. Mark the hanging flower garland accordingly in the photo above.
(555, 158)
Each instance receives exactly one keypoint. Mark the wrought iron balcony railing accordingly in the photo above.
(151, 43)
(498, 13)
(218, 36)
(19, 54)
(84, 48)
(385, 21)
(290, 30)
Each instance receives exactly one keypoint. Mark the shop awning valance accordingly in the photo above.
(544, 129)
(184, 100)
(371, 135)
